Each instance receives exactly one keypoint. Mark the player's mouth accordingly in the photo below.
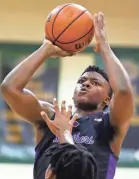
(83, 90)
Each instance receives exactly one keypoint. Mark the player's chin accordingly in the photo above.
(83, 99)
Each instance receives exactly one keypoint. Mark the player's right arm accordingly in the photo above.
(21, 100)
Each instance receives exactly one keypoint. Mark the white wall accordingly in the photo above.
(19, 171)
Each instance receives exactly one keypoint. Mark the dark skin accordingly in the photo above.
(92, 88)
(24, 103)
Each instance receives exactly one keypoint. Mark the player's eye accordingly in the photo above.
(95, 83)
(81, 81)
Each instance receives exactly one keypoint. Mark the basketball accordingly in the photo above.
(70, 27)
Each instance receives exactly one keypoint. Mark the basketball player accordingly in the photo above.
(102, 133)
(67, 160)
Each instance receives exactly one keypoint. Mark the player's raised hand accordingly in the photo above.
(55, 51)
(100, 33)
(62, 121)
(58, 52)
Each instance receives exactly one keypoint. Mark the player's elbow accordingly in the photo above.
(6, 89)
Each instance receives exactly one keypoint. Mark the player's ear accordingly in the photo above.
(107, 101)
(49, 173)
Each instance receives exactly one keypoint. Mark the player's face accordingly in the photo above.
(91, 91)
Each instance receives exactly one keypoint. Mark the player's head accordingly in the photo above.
(70, 162)
(93, 90)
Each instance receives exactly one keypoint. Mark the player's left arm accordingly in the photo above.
(121, 107)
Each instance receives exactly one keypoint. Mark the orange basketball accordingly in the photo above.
(70, 26)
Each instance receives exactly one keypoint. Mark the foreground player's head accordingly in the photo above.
(70, 162)
(93, 90)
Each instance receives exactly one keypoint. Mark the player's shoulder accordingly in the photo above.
(45, 104)
(41, 125)
(102, 118)
(103, 126)
(47, 107)
(102, 114)
(106, 114)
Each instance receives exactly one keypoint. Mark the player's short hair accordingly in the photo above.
(72, 162)
(93, 68)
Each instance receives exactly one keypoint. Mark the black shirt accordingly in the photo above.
(95, 133)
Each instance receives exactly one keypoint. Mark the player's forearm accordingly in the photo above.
(22, 73)
(66, 137)
(118, 76)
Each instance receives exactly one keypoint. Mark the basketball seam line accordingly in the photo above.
(55, 20)
(76, 39)
(69, 25)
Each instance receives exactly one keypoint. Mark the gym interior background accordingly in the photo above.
(21, 32)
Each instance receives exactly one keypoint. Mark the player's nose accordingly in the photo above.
(86, 84)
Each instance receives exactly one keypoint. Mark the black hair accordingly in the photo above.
(94, 68)
(72, 162)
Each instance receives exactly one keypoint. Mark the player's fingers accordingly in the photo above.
(63, 107)
(65, 53)
(97, 48)
(101, 15)
(72, 53)
(69, 112)
(49, 123)
(96, 19)
(101, 20)
(46, 118)
(98, 24)
(62, 53)
(75, 117)
(55, 104)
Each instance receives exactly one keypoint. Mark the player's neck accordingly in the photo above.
(82, 113)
